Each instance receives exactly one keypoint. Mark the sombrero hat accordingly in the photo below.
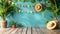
(37, 7)
(51, 25)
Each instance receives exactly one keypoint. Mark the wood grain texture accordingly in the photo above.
(24, 31)
(19, 31)
(34, 31)
(28, 31)
(15, 30)
(38, 31)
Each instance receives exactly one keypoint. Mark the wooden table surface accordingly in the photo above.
(28, 31)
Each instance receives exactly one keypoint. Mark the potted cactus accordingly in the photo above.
(6, 8)
(13, 24)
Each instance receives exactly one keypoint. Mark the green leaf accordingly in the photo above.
(21, 0)
(47, 22)
(15, 0)
(25, 0)
(13, 23)
(58, 13)
(33, 1)
(40, 0)
(50, 16)
(42, 13)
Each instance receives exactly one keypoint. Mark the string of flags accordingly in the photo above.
(37, 7)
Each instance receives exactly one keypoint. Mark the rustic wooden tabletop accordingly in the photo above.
(28, 31)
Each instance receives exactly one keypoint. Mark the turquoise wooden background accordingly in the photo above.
(26, 19)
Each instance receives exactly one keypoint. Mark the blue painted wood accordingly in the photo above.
(30, 20)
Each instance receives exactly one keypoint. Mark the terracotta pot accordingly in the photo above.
(13, 26)
(3, 24)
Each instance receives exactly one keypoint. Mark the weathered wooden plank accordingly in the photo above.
(2, 30)
(7, 29)
(34, 31)
(38, 31)
(15, 30)
(43, 31)
(46, 31)
(8, 32)
(19, 31)
(29, 31)
(56, 31)
(24, 31)
(51, 32)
